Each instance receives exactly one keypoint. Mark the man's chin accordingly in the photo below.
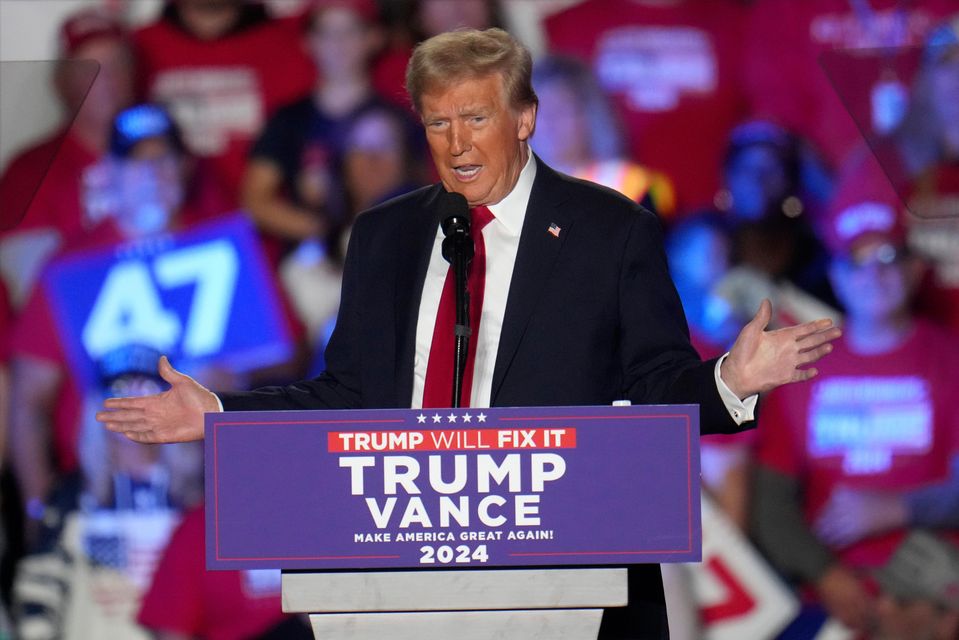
(472, 197)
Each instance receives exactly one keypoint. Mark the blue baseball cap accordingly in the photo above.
(133, 359)
(141, 122)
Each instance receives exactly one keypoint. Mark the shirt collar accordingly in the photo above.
(511, 210)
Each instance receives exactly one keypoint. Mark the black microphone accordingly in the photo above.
(456, 226)
(458, 251)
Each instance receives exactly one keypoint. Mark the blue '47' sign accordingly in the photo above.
(202, 295)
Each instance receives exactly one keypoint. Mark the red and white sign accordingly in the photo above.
(739, 595)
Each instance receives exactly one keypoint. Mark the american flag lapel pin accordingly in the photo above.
(554, 229)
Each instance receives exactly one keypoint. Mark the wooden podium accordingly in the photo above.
(506, 523)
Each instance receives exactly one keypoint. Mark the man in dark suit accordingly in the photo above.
(578, 307)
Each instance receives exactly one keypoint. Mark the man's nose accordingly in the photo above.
(460, 139)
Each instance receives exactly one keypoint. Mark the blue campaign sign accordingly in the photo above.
(199, 296)
(411, 488)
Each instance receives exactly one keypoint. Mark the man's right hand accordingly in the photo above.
(176, 415)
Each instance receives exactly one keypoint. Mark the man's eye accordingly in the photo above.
(478, 119)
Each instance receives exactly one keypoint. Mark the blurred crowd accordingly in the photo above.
(196, 201)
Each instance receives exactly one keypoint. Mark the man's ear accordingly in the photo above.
(527, 122)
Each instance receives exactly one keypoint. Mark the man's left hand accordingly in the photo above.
(762, 360)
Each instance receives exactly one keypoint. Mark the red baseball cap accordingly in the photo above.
(87, 25)
(866, 224)
(865, 210)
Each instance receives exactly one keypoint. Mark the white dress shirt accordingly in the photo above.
(501, 237)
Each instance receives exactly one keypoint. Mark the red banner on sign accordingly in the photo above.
(451, 440)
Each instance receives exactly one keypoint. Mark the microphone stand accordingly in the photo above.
(458, 250)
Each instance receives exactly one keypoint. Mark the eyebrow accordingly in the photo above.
(473, 110)
(466, 111)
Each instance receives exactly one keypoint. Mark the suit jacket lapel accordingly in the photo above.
(414, 248)
(537, 253)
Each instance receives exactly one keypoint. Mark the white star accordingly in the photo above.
(467, 417)
(451, 417)
(437, 417)
(421, 419)
(481, 417)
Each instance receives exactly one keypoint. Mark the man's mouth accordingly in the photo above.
(467, 171)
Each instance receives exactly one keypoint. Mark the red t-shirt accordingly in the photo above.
(873, 422)
(41, 186)
(214, 605)
(674, 73)
(221, 92)
(800, 70)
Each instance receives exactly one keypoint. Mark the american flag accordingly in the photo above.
(554, 229)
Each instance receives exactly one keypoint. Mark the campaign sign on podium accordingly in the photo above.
(452, 488)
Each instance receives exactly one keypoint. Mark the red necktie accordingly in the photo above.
(438, 388)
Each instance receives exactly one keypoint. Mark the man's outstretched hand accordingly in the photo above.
(762, 360)
(176, 415)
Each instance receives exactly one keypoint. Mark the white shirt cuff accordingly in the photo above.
(219, 403)
(739, 410)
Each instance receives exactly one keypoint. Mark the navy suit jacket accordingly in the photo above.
(592, 316)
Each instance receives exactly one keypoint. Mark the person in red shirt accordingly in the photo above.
(152, 192)
(222, 68)
(41, 188)
(187, 602)
(850, 463)
(834, 70)
(673, 69)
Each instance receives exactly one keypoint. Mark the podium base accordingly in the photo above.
(512, 589)
(506, 604)
(542, 624)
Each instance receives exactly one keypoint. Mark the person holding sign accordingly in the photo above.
(148, 273)
(577, 304)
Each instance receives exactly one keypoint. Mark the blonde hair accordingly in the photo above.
(450, 57)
